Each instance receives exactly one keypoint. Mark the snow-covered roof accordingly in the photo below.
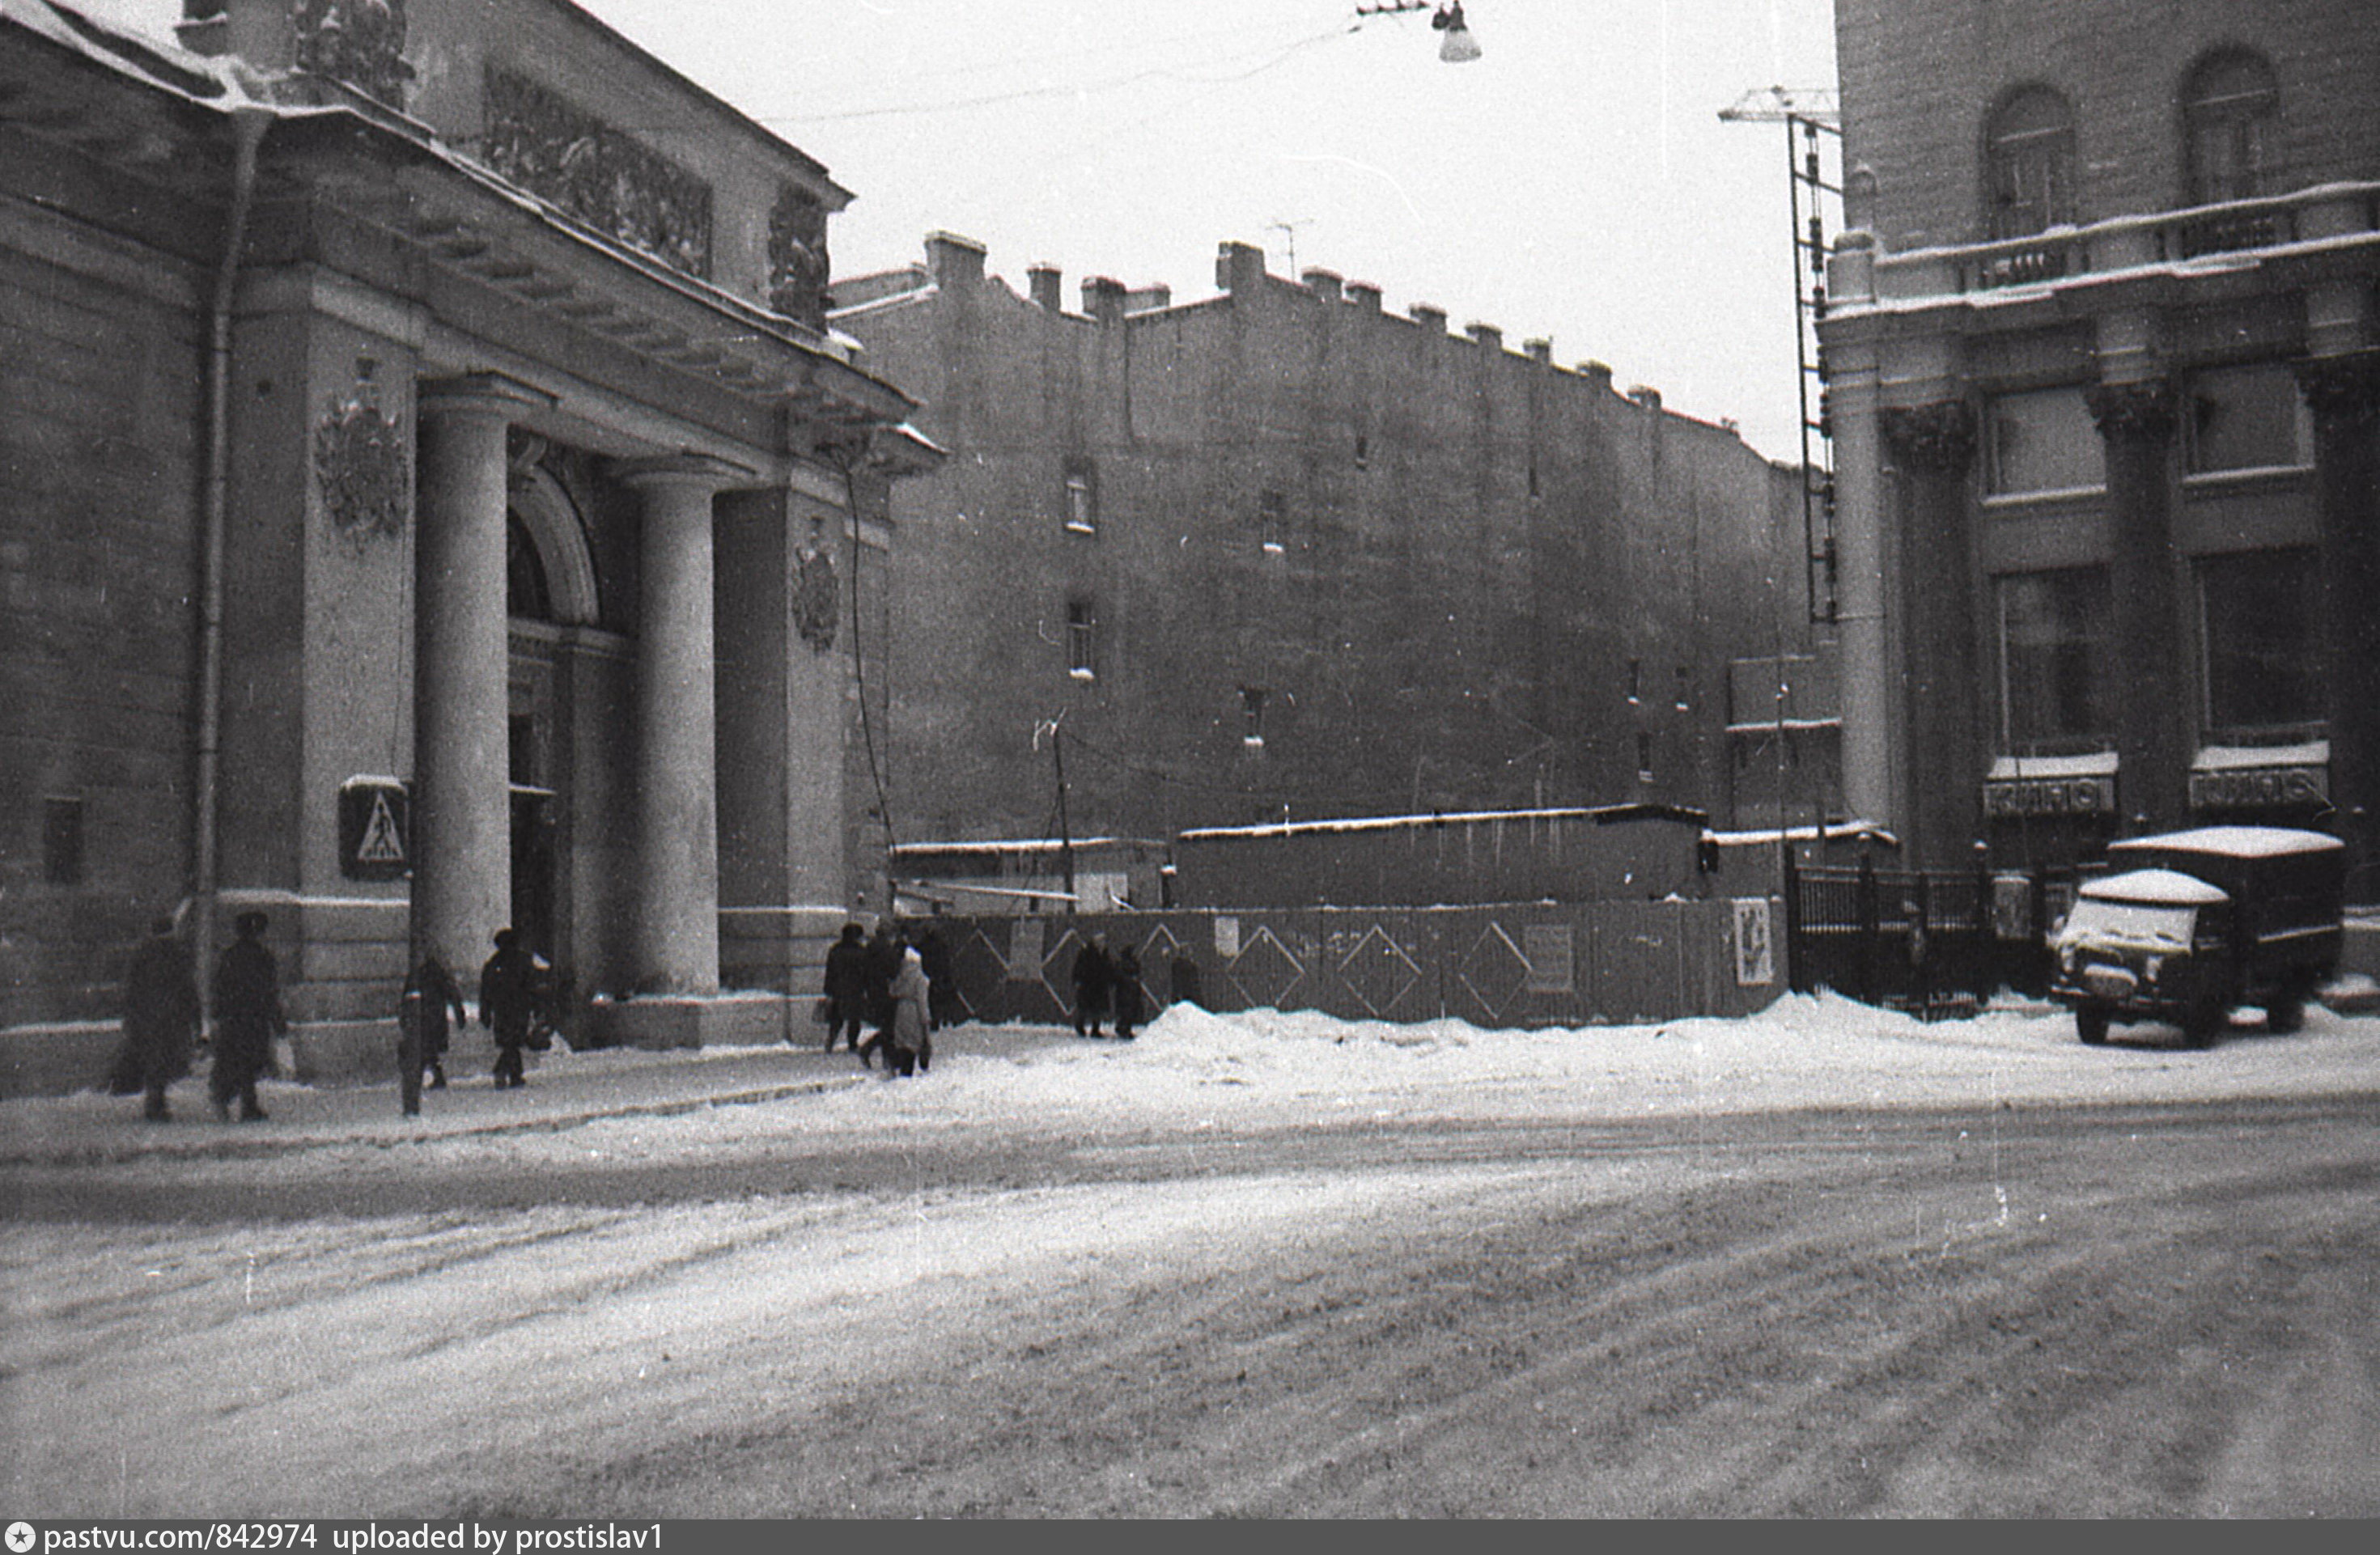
(1601, 814)
(1805, 833)
(2232, 841)
(2248, 758)
(219, 83)
(2015, 769)
(1006, 845)
(2168, 888)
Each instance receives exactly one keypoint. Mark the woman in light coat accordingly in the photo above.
(912, 1047)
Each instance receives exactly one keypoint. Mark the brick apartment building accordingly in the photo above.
(2105, 386)
(1279, 554)
(423, 508)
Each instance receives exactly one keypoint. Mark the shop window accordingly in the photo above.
(2054, 659)
(2029, 147)
(2042, 439)
(1082, 639)
(2263, 647)
(2228, 110)
(1082, 498)
(1252, 706)
(62, 859)
(2246, 418)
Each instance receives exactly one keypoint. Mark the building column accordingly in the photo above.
(2155, 732)
(2344, 391)
(676, 912)
(461, 799)
(1872, 736)
(1933, 447)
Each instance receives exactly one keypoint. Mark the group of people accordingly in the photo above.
(1108, 987)
(895, 988)
(164, 1022)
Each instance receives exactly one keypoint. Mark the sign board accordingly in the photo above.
(2063, 796)
(375, 830)
(1227, 938)
(2259, 788)
(1024, 953)
(1553, 957)
(1756, 954)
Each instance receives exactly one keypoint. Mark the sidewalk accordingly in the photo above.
(564, 1088)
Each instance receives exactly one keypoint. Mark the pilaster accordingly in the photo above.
(2344, 391)
(2155, 729)
(1933, 447)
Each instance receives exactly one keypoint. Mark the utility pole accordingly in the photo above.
(1065, 839)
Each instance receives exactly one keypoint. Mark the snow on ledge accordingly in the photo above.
(2015, 769)
(2249, 758)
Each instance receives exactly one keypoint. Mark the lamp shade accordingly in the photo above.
(1457, 46)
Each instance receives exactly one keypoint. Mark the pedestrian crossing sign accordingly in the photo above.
(373, 837)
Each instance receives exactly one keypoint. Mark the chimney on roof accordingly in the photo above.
(1144, 298)
(1239, 267)
(1599, 374)
(1046, 283)
(1103, 299)
(1363, 295)
(1429, 316)
(1646, 395)
(954, 260)
(1489, 335)
(1323, 284)
(1540, 351)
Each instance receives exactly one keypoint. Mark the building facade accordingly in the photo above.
(2105, 389)
(431, 498)
(1277, 553)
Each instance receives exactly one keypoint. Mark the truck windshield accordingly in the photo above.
(2131, 923)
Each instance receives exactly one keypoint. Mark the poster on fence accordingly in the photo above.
(1227, 937)
(1755, 960)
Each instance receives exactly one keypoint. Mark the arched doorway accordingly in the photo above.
(549, 588)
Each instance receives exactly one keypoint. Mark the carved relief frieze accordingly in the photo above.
(600, 175)
(798, 258)
(816, 604)
(358, 42)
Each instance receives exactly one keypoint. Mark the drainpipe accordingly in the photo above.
(248, 125)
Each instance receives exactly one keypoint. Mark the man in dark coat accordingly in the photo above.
(248, 1016)
(884, 948)
(1094, 986)
(846, 988)
(161, 1019)
(429, 996)
(943, 1006)
(508, 1004)
(1130, 1001)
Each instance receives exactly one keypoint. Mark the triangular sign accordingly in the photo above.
(382, 843)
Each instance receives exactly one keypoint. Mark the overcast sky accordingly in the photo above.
(1575, 182)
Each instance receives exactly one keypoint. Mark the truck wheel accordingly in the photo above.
(2285, 1015)
(2091, 1025)
(2201, 1024)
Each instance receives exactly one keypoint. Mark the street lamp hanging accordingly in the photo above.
(1458, 45)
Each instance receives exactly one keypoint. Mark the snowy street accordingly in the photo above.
(1825, 1261)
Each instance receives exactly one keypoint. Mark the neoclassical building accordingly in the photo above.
(430, 499)
(2104, 357)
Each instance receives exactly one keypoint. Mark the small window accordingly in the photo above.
(2229, 112)
(2246, 418)
(1272, 522)
(62, 861)
(2053, 658)
(1635, 682)
(1252, 706)
(1363, 451)
(1082, 640)
(2043, 439)
(1082, 499)
(2029, 146)
(2264, 649)
(1685, 689)
(1643, 756)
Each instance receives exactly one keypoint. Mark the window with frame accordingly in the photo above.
(1082, 498)
(1635, 682)
(2246, 418)
(1684, 700)
(1082, 639)
(2054, 660)
(2263, 641)
(1272, 522)
(1252, 706)
(2230, 112)
(2029, 150)
(1643, 756)
(2042, 439)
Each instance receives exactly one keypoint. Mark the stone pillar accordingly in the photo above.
(676, 910)
(2155, 729)
(1872, 734)
(2345, 393)
(462, 801)
(1933, 447)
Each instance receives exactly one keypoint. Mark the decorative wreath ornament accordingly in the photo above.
(364, 468)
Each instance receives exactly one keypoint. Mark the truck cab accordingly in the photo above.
(2187, 924)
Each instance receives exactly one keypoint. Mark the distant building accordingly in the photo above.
(1275, 552)
(423, 508)
(2105, 400)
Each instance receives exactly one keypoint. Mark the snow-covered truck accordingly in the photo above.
(2187, 924)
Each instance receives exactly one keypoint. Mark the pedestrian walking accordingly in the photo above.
(1131, 1001)
(248, 1017)
(942, 978)
(161, 1019)
(428, 998)
(911, 1046)
(1094, 979)
(883, 965)
(508, 1004)
(845, 989)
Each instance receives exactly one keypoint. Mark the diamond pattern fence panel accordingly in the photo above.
(1520, 966)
